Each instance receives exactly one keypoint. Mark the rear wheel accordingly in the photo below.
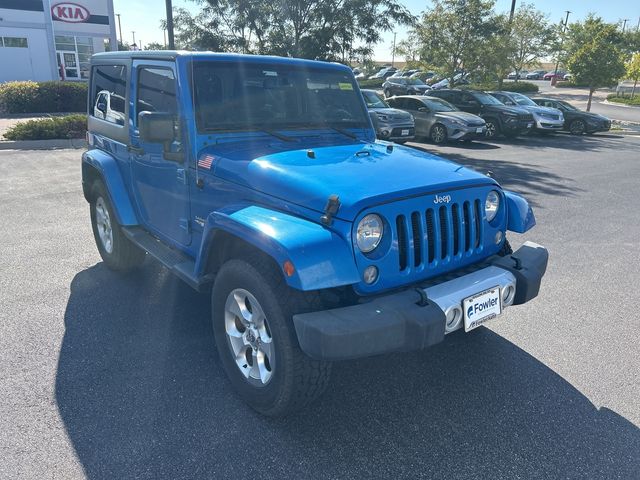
(116, 250)
(577, 127)
(438, 134)
(252, 310)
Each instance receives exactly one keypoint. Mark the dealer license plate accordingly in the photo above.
(404, 133)
(481, 308)
(479, 130)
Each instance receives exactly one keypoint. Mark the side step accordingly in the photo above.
(180, 264)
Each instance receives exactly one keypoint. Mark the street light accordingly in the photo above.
(624, 24)
(119, 28)
(172, 44)
(393, 52)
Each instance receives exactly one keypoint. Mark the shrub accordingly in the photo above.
(373, 83)
(520, 87)
(69, 126)
(43, 97)
(627, 100)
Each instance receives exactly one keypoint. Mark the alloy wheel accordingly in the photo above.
(577, 127)
(438, 134)
(491, 130)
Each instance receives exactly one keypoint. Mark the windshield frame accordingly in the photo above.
(430, 101)
(530, 103)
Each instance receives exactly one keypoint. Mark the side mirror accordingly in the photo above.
(157, 127)
(102, 107)
(423, 109)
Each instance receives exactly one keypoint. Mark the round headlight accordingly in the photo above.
(369, 233)
(492, 204)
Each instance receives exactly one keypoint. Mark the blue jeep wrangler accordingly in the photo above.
(259, 179)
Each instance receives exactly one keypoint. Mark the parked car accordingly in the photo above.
(404, 86)
(500, 119)
(108, 106)
(259, 181)
(384, 73)
(549, 75)
(545, 119)
(439, 120)
(567, 76)
(517, 75)
(536, 75)
(576, 121)
(390, 123)
(424, 76)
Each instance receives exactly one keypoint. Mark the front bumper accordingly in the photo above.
(517, 127)
(416, 318)
(465, 133)
(395, 132)
(548, 125)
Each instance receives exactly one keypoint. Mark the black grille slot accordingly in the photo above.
(478, 224)
(431, 236)
(467, 226)
(402, 241)
(455, 212)
(416, 231)
(443, 231)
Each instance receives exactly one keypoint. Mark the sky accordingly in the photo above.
(143, 16)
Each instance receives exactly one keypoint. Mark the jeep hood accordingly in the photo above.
(361, 174)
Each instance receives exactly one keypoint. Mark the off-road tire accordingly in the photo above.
(124, 254)
(297, 379)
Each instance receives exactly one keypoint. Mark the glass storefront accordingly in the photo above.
(73, 54)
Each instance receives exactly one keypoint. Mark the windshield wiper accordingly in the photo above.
(279, 136)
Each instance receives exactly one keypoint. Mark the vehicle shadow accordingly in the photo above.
(142, 395)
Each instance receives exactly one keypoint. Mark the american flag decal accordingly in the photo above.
(206, 161)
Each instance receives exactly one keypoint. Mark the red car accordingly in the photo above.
(559, 75)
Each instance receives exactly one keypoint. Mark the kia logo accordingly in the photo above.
(442, 199)
(69, 12)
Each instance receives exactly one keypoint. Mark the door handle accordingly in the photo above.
(136, 150)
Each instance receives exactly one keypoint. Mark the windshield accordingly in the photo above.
(486, 99)
(415, 81)
(566, 106)
(373, 100)
(523, 100)
(246, 96)
(439, 105)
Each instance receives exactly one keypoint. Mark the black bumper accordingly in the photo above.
(402, 321)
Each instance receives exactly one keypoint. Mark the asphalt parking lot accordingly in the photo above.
(106, 377)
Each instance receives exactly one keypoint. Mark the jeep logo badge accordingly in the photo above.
(69, 12)
(442, 199)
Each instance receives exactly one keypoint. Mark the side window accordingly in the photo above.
(156, 91)
(108, 92)
(412, 104)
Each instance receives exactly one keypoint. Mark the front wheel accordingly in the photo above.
(252, 310)
(493, 129)
(438, 134)
(577, 127)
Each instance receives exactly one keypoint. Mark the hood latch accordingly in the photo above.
(330, 209)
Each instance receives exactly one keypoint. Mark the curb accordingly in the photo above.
(616, 104)
(43, 144)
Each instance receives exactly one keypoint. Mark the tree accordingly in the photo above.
(452, 32)
(633, 71)
(530, 37)
(598, 62)
(154, 46)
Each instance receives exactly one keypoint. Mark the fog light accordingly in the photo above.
(453, 318)
(508, 294)
(498, 237)
(370, 274)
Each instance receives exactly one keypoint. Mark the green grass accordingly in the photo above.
(70, 126)
(627, 100)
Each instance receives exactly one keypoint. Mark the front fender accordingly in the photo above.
(106, 167)
(322, 259)
(520, 217)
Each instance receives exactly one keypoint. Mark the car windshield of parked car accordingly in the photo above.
(373, 100)
(415, 81)
(486, 99)
(523, 100)
(248, 96)
(567, 106)
(439, 105)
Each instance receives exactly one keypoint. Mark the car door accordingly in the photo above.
(160, 185)
(421, 115)
(468, 103)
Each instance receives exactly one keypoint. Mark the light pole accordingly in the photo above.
(513, 11)
(172, 44)
(564, 27)
(393, 52)
(119, 28)
(624, 24)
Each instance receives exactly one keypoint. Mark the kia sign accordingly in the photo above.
(69, 12)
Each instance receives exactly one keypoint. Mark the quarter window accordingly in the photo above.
(109, 84)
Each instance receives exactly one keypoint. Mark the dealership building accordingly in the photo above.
(53, 40)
